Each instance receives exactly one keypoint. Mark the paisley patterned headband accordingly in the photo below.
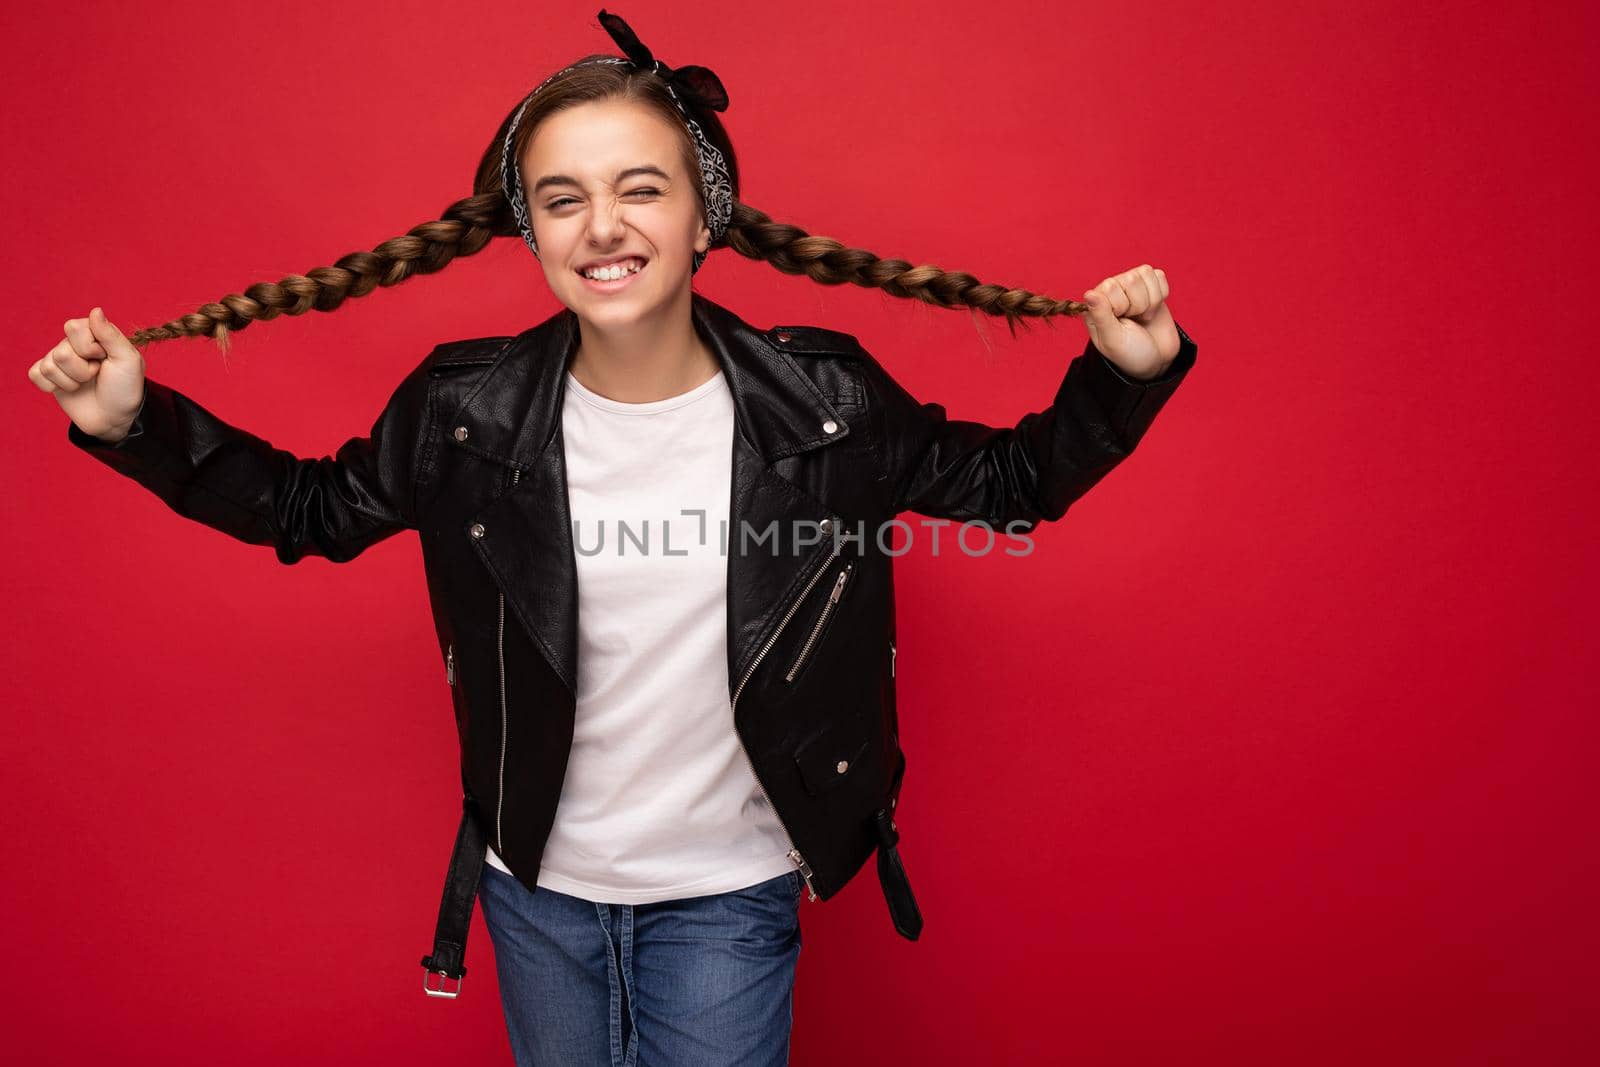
(690, 86)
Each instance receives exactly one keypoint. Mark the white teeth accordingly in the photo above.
(615, 271)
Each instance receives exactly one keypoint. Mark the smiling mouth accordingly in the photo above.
(615, 284)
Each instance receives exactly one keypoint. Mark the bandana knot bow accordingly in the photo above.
(698, 85)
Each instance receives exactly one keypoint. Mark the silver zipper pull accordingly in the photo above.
(891, 659)
(838, 586)
(450, 664)
(805, 870)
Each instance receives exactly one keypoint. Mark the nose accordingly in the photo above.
(605, 223)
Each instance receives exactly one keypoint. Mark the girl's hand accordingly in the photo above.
(1129, 323)
(96, 375)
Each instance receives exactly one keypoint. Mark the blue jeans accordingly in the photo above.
(707, 980)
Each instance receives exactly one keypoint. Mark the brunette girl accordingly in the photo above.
(639, 851)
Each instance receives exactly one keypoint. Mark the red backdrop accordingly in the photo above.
(1273, 749)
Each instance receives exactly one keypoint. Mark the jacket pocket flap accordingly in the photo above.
(828, 759)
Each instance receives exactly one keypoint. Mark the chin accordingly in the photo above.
(613, 314)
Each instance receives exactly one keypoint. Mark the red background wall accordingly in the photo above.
(1274, 750)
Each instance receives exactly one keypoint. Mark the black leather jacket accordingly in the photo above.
(827, 449)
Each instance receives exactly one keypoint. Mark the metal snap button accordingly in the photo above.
(461, 433)
(825, 525)
(844, 765)
(829, 426)
(477, 530)
(783, 335)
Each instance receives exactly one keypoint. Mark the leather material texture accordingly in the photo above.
(467, 453)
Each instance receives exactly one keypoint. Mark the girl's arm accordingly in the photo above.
(231, 480)
(1027, 473)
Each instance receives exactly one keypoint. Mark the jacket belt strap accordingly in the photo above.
(455, 907)
(892, 876)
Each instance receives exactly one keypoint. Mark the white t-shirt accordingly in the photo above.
(659, 802)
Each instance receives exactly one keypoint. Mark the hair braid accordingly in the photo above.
(465, 228)
(468, 225)
(790, 249)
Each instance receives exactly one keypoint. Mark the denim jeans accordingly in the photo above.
(706, 981)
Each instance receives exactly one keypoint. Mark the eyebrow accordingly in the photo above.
(561, 179)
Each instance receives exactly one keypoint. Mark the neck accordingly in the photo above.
(653, 358)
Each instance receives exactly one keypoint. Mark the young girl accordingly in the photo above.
(665, 741)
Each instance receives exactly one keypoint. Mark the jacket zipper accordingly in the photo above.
(450, 664)
(827, 609)
(500, 788)
(794, 853)
(891, 659)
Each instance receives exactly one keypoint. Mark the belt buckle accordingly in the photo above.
(441, 990)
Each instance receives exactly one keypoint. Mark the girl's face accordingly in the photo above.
(607, 180)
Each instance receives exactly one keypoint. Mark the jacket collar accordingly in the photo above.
(524, 536)
(512, 413)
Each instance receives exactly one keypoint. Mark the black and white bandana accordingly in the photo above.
(690, 86)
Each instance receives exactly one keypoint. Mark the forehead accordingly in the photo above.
(598, 139)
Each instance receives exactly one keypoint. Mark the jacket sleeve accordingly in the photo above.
(1030, 472)
(233, 481)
